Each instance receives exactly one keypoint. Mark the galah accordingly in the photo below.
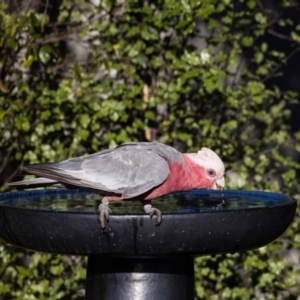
(141, 171)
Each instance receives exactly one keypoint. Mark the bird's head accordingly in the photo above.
(213, 166)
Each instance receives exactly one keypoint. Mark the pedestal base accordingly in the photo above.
(140, 278)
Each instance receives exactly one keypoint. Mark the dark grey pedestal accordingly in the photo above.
(140, 278)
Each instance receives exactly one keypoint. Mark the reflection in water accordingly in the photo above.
(184, 202)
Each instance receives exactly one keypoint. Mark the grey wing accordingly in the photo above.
(128, 170)
(125, 170)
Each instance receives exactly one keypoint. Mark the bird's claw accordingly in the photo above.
(157, 212)
(220, 204)
(104, 213)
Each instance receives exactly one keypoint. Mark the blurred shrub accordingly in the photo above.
(79, 77)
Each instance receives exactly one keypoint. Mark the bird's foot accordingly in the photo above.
(220, 204)
(104, 213)
(157, 212)
(153, 211)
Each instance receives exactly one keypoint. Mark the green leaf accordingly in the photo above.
(45, 53)
(247, 41)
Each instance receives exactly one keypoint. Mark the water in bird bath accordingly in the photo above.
(184, 202)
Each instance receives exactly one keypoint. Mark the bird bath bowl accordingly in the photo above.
(133, 258)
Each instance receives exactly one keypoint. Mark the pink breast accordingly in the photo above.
(182, 177)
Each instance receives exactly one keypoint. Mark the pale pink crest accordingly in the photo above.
(209, 159)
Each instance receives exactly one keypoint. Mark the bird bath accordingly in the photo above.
(133, 258)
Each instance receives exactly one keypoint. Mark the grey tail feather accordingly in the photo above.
(41, 181)
(51, 171)
(38, 167)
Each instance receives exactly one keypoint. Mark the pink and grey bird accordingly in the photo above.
(141, 171)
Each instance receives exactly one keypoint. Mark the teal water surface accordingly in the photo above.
(184, 202)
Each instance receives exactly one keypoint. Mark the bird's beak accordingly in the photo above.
(219, 184)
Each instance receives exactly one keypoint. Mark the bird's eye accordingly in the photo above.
(211, 172)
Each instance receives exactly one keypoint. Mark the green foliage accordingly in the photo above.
(54, 106)
(31, 276)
